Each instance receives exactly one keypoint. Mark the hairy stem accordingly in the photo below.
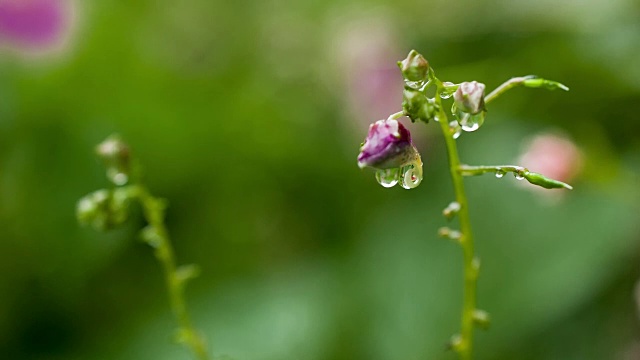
(153, 209)
(465, 344)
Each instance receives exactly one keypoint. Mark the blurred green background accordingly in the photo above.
(247, 116)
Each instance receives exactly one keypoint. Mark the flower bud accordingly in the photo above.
(104, 209)
(388, 145)
(415, 67)
(116, 155)
(417, 106)
(469, 97)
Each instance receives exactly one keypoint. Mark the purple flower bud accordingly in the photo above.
(33, 23)
(388, 145)
(469, 97)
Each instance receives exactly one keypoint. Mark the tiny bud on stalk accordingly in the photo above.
(469, 97)
(117, 158)
(415, 67)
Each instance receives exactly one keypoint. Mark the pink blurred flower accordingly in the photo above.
(367, 52)
(554, 156)
(35, 25)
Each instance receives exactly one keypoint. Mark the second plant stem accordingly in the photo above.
(464, 344)
(153, 210)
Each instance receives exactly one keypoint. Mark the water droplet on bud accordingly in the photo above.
(500, 173)
(411, 176)
(388, 177)
(518, 176)
(470, 122)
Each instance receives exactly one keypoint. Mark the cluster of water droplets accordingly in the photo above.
(409, 176)
(468, 122)
(518, 173)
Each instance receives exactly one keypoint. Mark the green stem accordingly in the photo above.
(471, 264)
(153, 210)
(507, 85)
(519, 171)
(466, 170)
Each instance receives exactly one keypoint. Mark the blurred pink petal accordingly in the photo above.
(368, 50)
(553, 156)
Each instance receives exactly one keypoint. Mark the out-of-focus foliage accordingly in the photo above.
(247, 116)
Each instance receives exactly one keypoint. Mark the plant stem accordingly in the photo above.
(471, 264)
(511, 83)
(466, 170)
(153, 209)
(519, 171)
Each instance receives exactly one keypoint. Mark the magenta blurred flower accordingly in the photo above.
(33, 23)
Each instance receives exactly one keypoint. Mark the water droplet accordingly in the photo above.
(471, 122)
(446, 93)
(414, 84)
(518, 176)
(500, 173)
(468, 121)
(388, 177)
(455, 129)
(411, 175)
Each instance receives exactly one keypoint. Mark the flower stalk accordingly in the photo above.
(107, 209)
(463, 343)
(157, 236)
(468, 112)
